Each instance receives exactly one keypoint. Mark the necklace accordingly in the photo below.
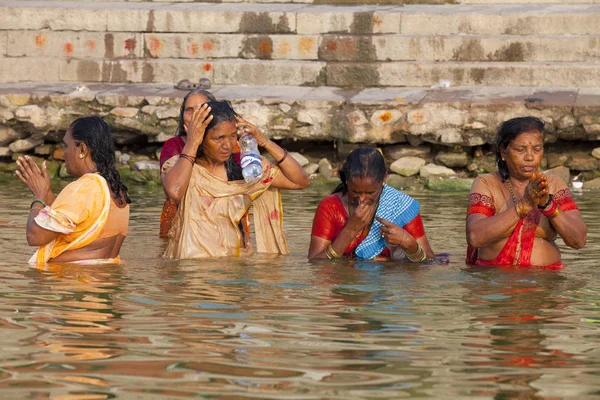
(511, 191)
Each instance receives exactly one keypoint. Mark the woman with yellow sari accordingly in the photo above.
(88, 220)
(213, 197)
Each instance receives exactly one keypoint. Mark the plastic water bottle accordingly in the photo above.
(250, 158)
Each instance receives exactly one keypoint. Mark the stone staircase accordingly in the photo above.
(473, 43)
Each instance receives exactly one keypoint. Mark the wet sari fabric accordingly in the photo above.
(207, 222)
(487, 198)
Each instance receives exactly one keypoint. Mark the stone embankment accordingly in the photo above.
(425, 134)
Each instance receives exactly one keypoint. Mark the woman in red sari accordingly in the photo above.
(366, 219)
(515, 214)
(174, 146)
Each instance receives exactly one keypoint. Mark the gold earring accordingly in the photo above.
(81, 155)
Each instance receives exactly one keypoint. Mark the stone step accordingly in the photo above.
(465, 116)
(300, 73)
(444, 2)
(497, 19)
(328, 47)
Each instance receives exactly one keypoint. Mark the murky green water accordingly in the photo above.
(284, 328)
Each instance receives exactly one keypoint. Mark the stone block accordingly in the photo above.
(596, 153)
(164, 112)
(3, 43)
(557, 160)
(8, 135)
(59, 153)
(396, 152)
(311, 168)
(44, 150)
(407, 166)
(593, 184)
(453, 160)
(33, 17)
(300, 158)
(354, 20)
(325, 168)
(74, 44)
(385, 117)
(198, 46)
(124, 112)
(23, 145)
(5, 151)
(582, 162)
(442, 184)
(562, 172)
(116, 100)
(287, 73)
(130, 20)
(31, 113)
(435, 170)
(146, 165)
(6, 115)
(30, 69)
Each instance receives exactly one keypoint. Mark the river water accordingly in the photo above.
(285, 328)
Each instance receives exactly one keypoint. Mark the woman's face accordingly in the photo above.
(363, 190)
(524, 154)
(72, 154)
(219, 142)
(191, 104)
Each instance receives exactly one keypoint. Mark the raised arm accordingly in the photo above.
(177, 179)
(293, 175)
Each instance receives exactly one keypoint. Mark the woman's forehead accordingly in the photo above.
(528, 137)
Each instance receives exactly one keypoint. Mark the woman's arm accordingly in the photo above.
(398, 236)
(36, 235)
(176, 181)
(571, 228)
(293, 175)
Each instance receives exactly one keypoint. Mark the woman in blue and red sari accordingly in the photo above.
(366, 219)
(515, 214)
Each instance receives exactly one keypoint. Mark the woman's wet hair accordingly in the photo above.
(95, 133)
(222, 111)
(508, 131)
(203, 92)
(364, 162)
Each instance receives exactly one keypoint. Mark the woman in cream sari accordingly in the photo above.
(88, 220)
(213, 197)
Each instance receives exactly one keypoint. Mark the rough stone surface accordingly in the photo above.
(124, 112)
(562, 172)
(396, 152)
(594, 184)
(23, 145)
(311, 168)
(453, 160)
(596, 153)
(439, 183)
(44, 150)
(8, 135)
(325, 168)
(435, 170)
(557, 160)
(582, 162)
(5, 152)
(146, 165)
(407, 166)
(300, 158)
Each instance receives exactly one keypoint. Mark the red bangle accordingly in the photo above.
(551, 210)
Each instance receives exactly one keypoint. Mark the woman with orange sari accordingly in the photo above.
(515, 214)
(88, 220)
(214, 198)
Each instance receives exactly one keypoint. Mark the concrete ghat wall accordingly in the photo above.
(452, 117)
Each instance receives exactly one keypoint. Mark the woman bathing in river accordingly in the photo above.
(515, 214)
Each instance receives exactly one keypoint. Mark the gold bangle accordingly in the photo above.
(331, 252)
(554, 214)
(422, 257)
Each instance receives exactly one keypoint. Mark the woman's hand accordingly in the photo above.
(361, 216)
(392, 233)
(38, 181)
(197, 128)
(244, 126)
(537, 191)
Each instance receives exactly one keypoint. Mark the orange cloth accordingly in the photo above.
(79, 214)
(208, 217)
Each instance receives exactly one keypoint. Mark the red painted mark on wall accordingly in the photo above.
(207, 67)
(265, 47)
(377, 21)
(194, 48)
(331, 46)
(130, 44)
(155, 46)
(91, 44)
(385, 117)
(69, 48)
(40, 40)
(207, 46)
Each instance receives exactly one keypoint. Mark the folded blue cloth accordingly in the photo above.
(394, 206)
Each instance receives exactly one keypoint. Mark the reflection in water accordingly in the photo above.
(272, 327)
